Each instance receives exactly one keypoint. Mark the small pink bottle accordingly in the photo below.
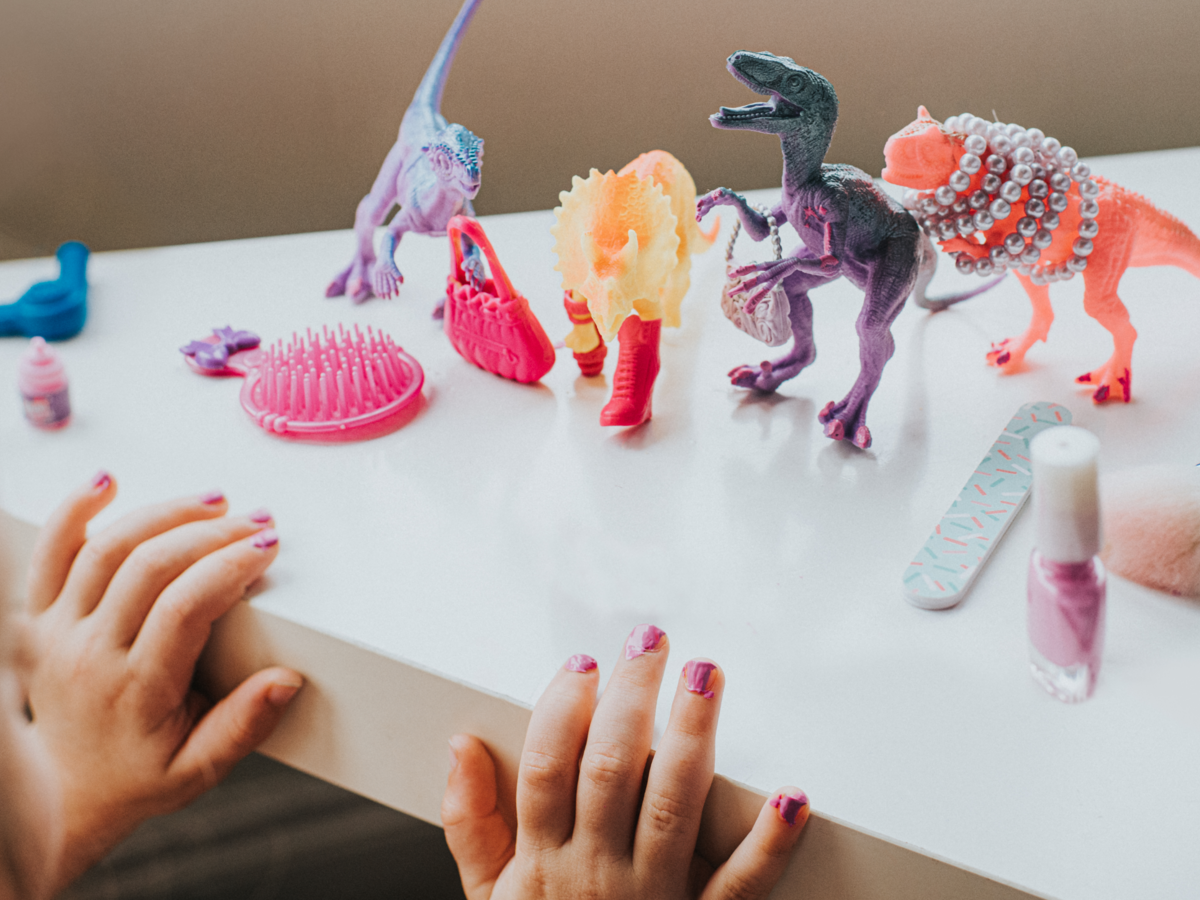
(42, 381)
(1067, 581)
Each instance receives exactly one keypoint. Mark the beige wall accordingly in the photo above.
(138, 122)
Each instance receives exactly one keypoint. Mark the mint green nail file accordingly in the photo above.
(946, 566)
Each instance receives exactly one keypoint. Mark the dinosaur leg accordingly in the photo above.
(355, 279)
(1010, 352)
(889, 282)
(1100, 300)
(385, 275)
(769, 375)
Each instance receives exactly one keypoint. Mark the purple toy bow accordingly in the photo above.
(215, 354)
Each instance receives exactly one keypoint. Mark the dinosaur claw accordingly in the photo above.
(835, 430)
(1085, 378)
(1101, 394)
(862, 437)
(824, 414)
(1003, 358)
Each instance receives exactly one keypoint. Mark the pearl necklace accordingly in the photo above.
(1019, 162)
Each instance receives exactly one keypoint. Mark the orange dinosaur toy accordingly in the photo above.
(971, 181)
(624, 243)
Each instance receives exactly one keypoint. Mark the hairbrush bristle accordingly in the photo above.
(331, 380)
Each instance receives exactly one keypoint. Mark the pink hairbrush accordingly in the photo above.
(331, 386)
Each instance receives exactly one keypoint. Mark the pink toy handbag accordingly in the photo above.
(490, 324)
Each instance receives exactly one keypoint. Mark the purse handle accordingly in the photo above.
(455, 229)
(776, 243)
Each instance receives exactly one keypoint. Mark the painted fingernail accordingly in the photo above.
(580, 662)
(268, 537)
(100, 481)
(260, 515)
(212, 497)
(644, 639)
(281, 692)
(699, 676)
(792, 806)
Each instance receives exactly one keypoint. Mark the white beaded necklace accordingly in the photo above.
(1016, 159)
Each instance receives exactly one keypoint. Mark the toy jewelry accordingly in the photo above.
(42, 384)
(488, 322)
(948, 563)
(53, 310)
(624, 243)
(767, 319)
(432, 173)
(1005, 197)
(332, 386)
(845, 222)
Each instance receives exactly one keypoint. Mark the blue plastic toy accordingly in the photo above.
(53, 310)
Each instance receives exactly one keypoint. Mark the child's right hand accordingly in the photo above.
(591, 822)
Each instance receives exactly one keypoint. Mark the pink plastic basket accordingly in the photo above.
(492, 326)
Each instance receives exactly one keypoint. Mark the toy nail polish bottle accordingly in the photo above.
(42, 381)
(1067, 581)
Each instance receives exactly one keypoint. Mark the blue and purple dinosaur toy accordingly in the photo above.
(431, 172)
(848, 225)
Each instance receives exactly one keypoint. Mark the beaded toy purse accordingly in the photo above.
(768, 321)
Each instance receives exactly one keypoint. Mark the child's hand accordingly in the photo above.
(118, 622)
(588, 824)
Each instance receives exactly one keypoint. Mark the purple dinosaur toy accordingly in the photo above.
(432, 173)
(848, 225)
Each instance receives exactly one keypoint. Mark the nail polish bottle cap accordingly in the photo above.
(1066, 500)
(40, 370)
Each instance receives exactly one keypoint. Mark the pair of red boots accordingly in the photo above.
(637, 365)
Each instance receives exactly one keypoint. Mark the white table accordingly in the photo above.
(434, 579)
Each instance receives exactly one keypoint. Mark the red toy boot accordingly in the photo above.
(592, 362)
(637, 367)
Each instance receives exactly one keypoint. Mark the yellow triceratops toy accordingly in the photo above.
(624, 243)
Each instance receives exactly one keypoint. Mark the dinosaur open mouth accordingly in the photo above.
(775, 108)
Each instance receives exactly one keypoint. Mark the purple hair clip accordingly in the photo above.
(213, 353)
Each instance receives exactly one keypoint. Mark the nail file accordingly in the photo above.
(946, 566)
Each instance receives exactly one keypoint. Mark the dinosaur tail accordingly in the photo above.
(429, 92)
(925, 271)
(1163, 240)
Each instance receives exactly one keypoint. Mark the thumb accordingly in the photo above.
(479, 838)
(235, 726)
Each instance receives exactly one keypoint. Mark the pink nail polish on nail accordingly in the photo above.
(212, 497)
(101, 480)
(580, 662)
(260, 515)
(698, 677)
(792, 807)
(268, 537)
(644, 639)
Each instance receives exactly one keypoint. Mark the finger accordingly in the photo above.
(751, 872)
(62, 537)
(157, 562)
(479, 838)
(681, 773)
(102, 555)
(618, 745)
(180, 621)
(232, 728)
(549, 769)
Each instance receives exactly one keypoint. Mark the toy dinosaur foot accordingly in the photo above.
(1112, 383)
(761, 377)
(337, 287)
(839, 421)
(1008, 354)
(386, 281)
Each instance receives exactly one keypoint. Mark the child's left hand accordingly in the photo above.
(118, 622)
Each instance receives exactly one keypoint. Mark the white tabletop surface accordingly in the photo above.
(503, 529)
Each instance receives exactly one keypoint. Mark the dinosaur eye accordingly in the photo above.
(795, 84)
